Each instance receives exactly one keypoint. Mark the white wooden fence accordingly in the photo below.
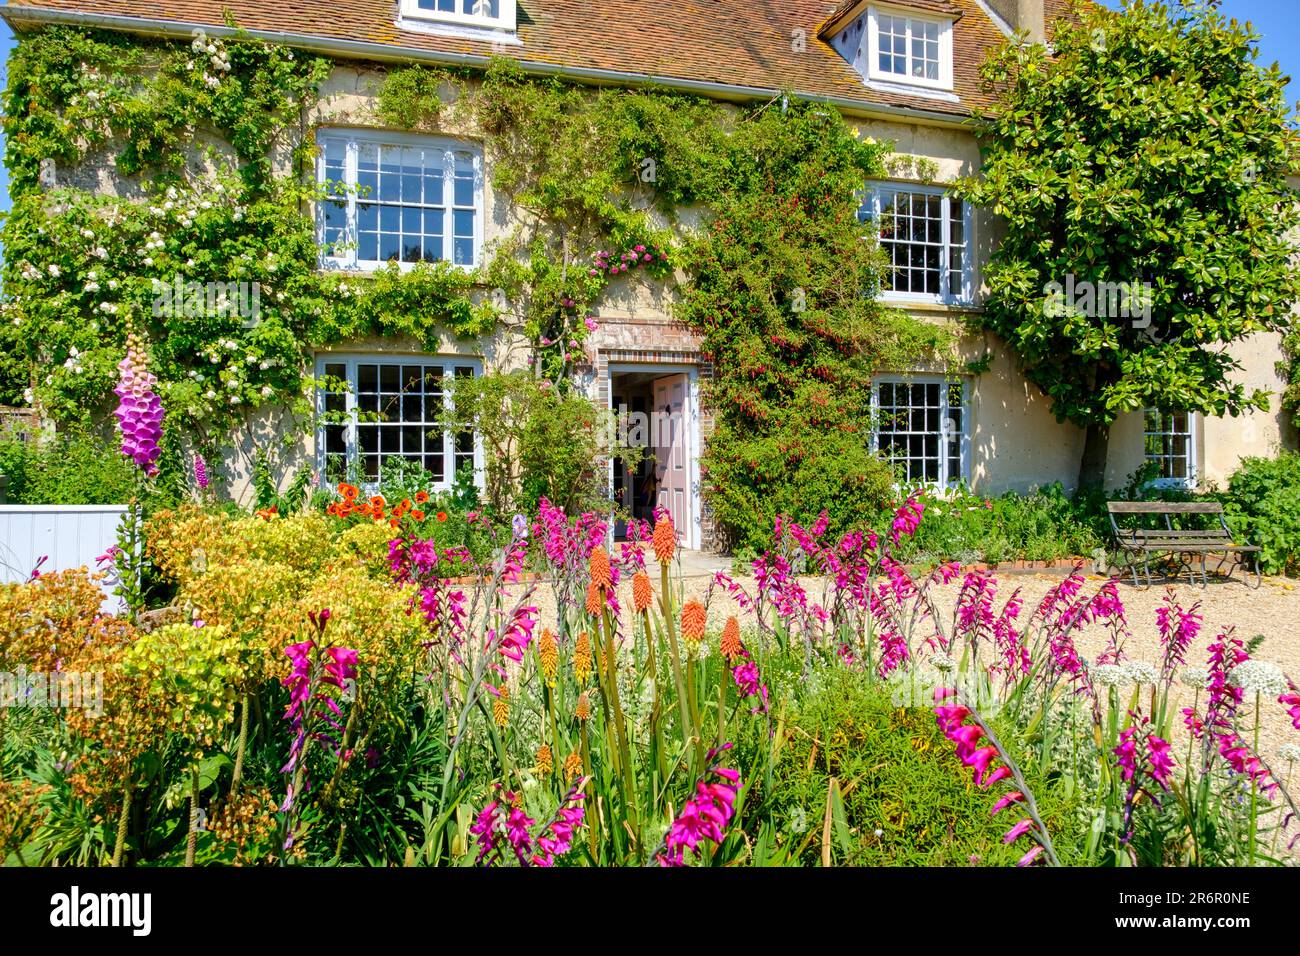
(68, 536)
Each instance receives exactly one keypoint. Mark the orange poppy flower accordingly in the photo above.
(421, 497)
(442, 516)
(417, 514)
(350, 492)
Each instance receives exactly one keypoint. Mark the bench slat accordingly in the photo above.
(1194, 548)
(1164, 507)
(1217, 534)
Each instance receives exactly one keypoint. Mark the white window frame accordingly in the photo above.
(350, 361)
(1192, 459)
(504, 20)
(871, 52)
(874, 202)
(947, 477)
(352, 140)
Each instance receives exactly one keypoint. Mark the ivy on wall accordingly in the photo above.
(750, 213)
(212, 194)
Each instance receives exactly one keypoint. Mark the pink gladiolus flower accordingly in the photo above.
(979, 760)
(1017, 831)
(906, 520)
(1162, 762)
(1291, 702)
(705, 816)
(1030, 857)
(999, 773)
(1014, 796)
(748, 682)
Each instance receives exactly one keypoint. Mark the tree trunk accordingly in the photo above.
(1092, 466)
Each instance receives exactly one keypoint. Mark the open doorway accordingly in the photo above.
(652, 406)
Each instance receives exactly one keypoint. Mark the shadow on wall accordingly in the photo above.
(1016, 442)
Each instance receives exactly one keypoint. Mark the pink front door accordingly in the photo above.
(669, 428)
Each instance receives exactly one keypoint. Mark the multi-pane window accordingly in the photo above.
(900, 52)
(926, 237)
(1170, 444)
(921, 428)
(399, 200)
(495, 14)
(379, 411)
(907, 48)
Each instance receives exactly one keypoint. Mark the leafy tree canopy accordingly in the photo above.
(1147, 147)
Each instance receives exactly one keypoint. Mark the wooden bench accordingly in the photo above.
(1181, 548)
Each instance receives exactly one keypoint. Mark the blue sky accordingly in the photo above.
(1275, 20)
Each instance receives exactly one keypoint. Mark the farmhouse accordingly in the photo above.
(902, 71)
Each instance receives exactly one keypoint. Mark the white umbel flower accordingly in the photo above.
(1140, 672)
(1259, 677)
(943, 662)
(1109, 675)
(1194, 677)
(1290, 752)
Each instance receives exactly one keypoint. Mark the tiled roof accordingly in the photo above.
(741, 43)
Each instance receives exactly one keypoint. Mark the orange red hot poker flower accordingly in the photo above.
(731, 646)
(664, 539)
(642, 595)
(595, 599)
(693, 620)
(601, 575)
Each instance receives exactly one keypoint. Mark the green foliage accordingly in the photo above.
(799, 466)
(1262, 500)
(589, 166)
(415, 303)
(193, 674)
(81, 268)
(903, 797)
(783, 290)
(1290, 370)
(77, 467)
(1042, 525)
(537, 442)
(1149, 147)
(267, 492)
(411, 98)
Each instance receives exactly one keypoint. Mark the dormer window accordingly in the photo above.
(907, 48)
(894, 48)
(464, 16)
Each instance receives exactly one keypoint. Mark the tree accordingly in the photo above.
(1140, 170)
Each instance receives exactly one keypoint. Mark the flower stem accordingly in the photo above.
(122, 819)
(192, 839)
(240, 748)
